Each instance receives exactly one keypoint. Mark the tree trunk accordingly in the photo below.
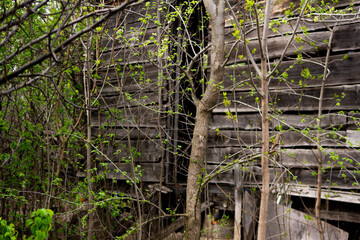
(265, 191)
(203, 114)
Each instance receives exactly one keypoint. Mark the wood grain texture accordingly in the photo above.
(345, 97)
(341, 72)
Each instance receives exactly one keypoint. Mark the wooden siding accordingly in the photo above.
(129, 71)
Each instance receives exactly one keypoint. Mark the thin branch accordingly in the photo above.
(42, 58)
(290, 40)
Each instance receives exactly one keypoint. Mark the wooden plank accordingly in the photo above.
(141, 98)
(229, 154)
(253, 121)
(290, 158)
(288, 139)
(133, 37)
(307, 158)
(353, 138)
(326, 194)
(134, 116)
(341, 72)
(342, 98)
(133, 13)
(142, 150)
(135, 133)
(278, 8)
(288, 28)
(353, 121)
(146, 172)
(129, 55)
(340, 216)
(276, 46)
(333, 178)
(250, 215)
(128, 78)
(346, 38)
(286, 222)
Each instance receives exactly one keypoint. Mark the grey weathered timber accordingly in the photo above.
(288, 138)
(149, 99)
(276, 45)
(288, 223)
(326, 194)
(286, 121)
(143, 150)
(347, 38)
(341, 71)
(334, 178)
(336, 158)
(138, 116)
(135, 133)
(345, 97)
(146, 172)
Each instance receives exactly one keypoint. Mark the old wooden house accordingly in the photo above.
(146, 117)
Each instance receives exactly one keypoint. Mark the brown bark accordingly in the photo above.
(265, 130)
(203, 114)
(319, 176)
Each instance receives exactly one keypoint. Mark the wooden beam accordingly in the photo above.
(340, 216)
(306, 191)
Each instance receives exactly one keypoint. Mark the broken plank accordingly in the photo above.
(326, 194)
(353, 138)
(340, 216)
(284, 221)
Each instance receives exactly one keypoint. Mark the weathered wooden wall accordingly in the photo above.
(138, 95)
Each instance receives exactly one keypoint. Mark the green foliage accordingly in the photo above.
(40, 224)
(7, 232)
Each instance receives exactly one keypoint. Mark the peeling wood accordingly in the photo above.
(285, 222)
(326, 194)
